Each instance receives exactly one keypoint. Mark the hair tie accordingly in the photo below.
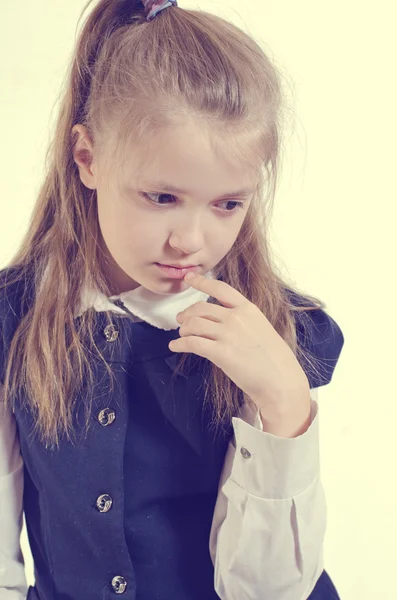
(153, 7)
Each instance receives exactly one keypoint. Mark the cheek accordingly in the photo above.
(113, 223)
(124, 226)
(225, 238)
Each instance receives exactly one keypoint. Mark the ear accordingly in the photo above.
(83, 155)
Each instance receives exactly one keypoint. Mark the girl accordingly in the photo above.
(160, 433)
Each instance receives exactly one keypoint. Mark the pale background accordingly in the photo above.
(333, 229)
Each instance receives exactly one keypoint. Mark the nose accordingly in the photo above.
(188, 237)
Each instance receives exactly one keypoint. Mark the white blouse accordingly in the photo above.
(269, 521)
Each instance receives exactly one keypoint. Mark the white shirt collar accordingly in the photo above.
(159, 310)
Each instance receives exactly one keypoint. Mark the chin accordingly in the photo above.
(164, 286)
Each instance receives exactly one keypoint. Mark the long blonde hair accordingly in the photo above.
(124, 71)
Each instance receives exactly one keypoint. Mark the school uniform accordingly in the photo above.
(152, 505)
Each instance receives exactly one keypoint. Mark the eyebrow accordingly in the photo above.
(167, 187)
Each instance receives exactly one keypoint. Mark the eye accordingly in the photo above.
(149, 196)
(237, 205)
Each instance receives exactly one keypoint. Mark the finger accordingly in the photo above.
(200, 327)
(225, 293)
(195, 345)
(205, 310)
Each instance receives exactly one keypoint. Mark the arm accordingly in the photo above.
(269, 522)
(13, 585)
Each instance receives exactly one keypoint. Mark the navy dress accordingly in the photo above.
(127, 509)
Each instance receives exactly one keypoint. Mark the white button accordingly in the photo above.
(106, 416)
(119, 584)
(104, 503)
(246, 453)
(111, 333)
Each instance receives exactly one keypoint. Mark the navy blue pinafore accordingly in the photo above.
(128, 509)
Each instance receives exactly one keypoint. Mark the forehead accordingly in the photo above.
(178, 155)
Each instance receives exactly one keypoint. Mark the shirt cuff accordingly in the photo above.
(276, 467)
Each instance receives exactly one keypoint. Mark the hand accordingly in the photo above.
(239, 339)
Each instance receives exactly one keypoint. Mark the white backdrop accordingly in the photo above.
(335, 220)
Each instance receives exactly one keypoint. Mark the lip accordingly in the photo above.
(176, 272)
(177, 266)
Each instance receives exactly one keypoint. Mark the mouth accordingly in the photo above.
(176, 272)
(178, 266)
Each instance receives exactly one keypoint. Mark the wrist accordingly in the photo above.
(287, 429)
(289, 419)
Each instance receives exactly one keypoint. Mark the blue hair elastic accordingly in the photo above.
(153, 7)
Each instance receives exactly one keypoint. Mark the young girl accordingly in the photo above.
(160, 433)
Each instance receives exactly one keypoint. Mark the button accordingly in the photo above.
(106, 416)
(111, 333)
(104, 503)
(119, 584)
(246, 453)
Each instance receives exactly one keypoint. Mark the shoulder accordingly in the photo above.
(320, 338)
